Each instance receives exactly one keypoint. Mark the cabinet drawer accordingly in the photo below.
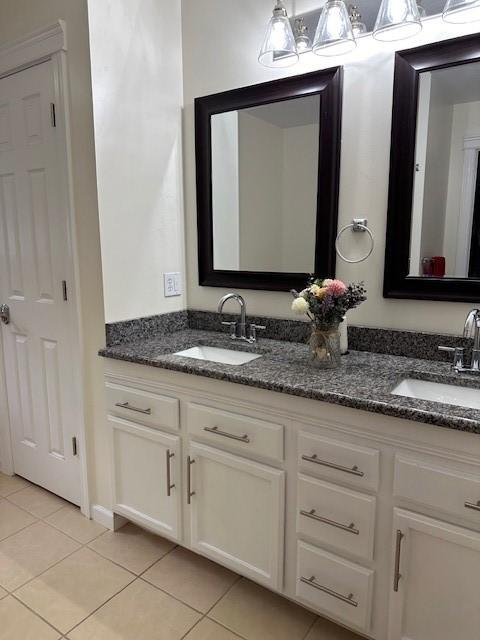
(339, 517)
(334, 586)
(338, 461)
(438, 486)
(235, 431)
(142, 406)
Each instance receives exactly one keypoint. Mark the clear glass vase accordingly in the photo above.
(325, 347)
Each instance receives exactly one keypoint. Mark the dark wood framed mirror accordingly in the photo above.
(433, 223)
(268, 161)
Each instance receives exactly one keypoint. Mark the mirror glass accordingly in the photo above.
(264, 186)
(445, 236)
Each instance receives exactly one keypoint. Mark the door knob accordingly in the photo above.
(5, 313)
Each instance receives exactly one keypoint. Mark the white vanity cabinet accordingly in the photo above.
(146, 479)
(236, 512)
(435, 581)
(371, 521)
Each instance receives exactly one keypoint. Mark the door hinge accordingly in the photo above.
(74, 446)
(64, 290)
(53, 116)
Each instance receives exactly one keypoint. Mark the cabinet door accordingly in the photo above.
(437, 596)
(237, 513)
(146, 476)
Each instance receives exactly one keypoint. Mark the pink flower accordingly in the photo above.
(336, 288)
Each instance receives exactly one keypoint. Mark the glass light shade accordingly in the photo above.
(301, 36)
(358, 27)
(334, 35)
(279, 48)
(421, 10)
(460, 11)
(396, 20)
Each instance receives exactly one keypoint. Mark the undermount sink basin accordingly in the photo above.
(438, 392)
(215, 354)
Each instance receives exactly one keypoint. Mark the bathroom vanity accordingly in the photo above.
(358, 504)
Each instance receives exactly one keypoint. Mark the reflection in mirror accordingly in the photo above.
(264, 186)
(445, 233)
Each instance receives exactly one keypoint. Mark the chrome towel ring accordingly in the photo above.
(357, 225)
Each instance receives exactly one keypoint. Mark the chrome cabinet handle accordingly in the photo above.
(473, 505)
(225, 434)
(170, 486)
(190, 493)
(398, 547)
(311, 514)
(127, 405)
(348, 599)
(353, 470)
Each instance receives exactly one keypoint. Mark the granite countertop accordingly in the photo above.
(363, 381)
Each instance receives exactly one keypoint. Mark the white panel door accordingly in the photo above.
(34, 260)
(146, 476)
(237, 513)
(438, 592)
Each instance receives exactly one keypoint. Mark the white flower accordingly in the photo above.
(300, 305)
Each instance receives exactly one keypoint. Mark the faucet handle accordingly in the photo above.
(233, 328)
(457, 356)
(253, 331)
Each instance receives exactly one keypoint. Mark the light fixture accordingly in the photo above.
(459, 11)
(278, 49)
(421, 10)
(301, 36)
(396, 20)
(334, 35)
(358, 27)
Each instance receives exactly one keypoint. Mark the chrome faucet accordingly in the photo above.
(238, 330)
(471, 329)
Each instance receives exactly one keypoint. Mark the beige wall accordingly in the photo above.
(229, 59)
(17, 19)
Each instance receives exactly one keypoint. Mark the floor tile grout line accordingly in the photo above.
(176, 546)
(311, 627)
(44, 571)
(10, 535)
(36, 613)
(170, 595)
(239, 577)
(92, 613)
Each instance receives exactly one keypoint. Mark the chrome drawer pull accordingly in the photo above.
(353, 470)
(127, 405)
(232, 436)
(311, 514)
(398, 547)
(170, 486)
(473, 505)
(190, 493)
(348, 599)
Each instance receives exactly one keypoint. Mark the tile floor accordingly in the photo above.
(63, 576)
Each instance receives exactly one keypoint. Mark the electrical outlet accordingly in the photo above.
(172, 284)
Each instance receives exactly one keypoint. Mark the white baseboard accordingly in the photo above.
(107, 518)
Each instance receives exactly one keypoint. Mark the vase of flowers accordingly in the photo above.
(325, 302)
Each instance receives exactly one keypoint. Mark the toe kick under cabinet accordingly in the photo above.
(371, 521)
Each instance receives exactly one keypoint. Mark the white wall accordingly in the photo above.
(137, 96)
(260, 147)
(17, 19)
(437, 163)
(465, 123)
(225, 191)
(226, 59)
(299, 197)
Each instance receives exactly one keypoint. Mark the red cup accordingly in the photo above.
(438, 266)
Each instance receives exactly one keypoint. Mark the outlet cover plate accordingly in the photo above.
(172, 284)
